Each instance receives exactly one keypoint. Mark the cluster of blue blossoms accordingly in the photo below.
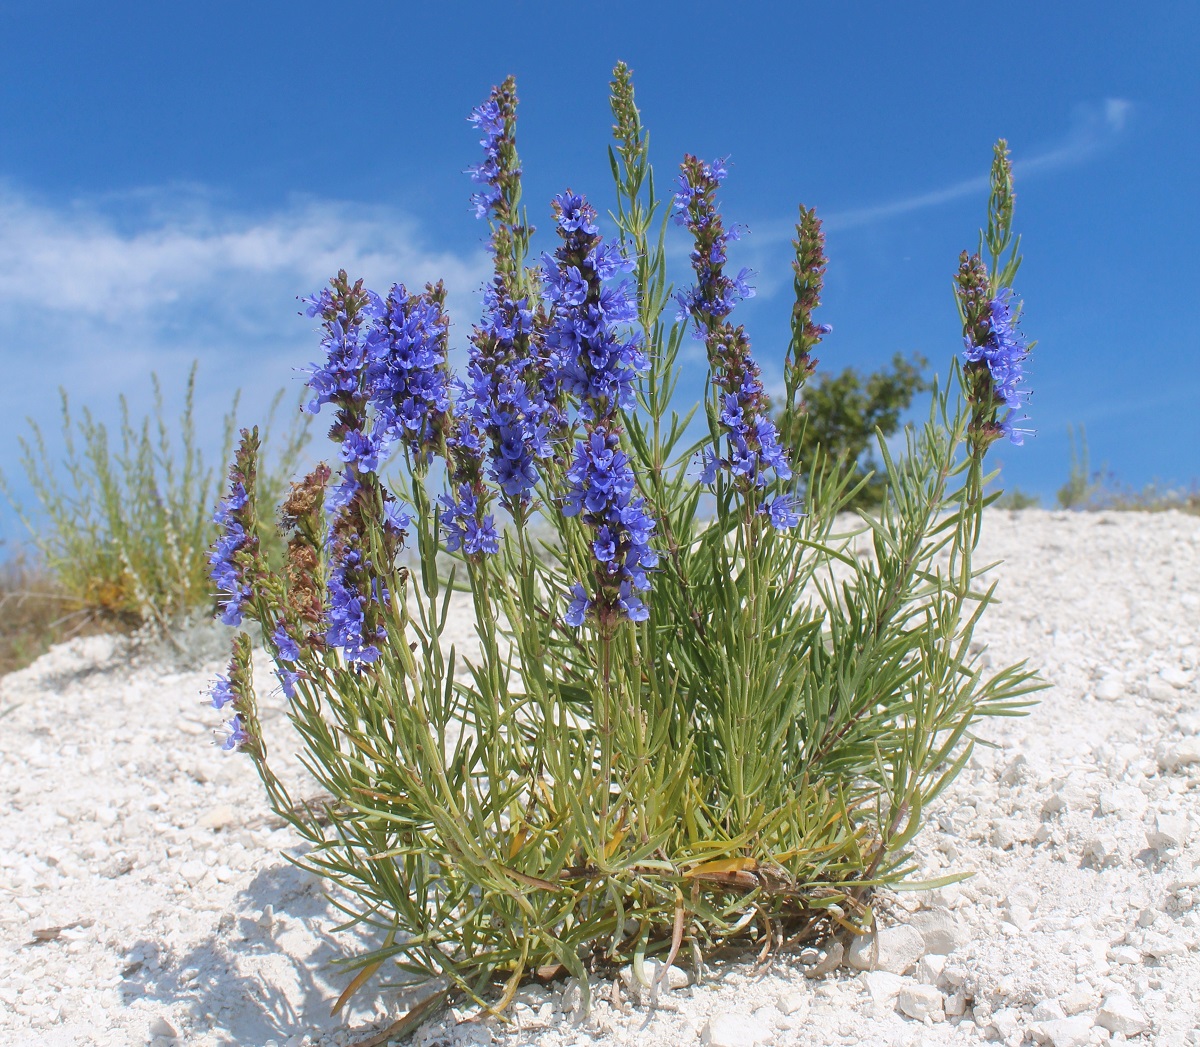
(223, 694)
(389, 355)
(232, 538)
(1004, 349)
(600, 367)
(715, 293)
(385, 369)
(753, 447)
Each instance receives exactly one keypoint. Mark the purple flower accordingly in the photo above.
(594, 361)
(782, 511)
(222, 693)
(599, 365)
(578, 608)
(224, 569)
(752, 448)
(715, 294)
(236, 736)
(497, 173)
(286, 648)
(464, 528)
(1003, 347)
(287, 680)
(346, 615)
(505, 401)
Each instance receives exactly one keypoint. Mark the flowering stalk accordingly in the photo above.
(235, 691)
(385, 370)
(599, 367)
(995, 350)
(231, 558)
(752, 443)
(809, 273)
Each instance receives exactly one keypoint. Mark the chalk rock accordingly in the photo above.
(1079, 999)
(1007, 1021)
(731, 1029)
(218, 818)
(1103, 851)
(956, 1004)
(162, 1027)
(1170, 831)
(921, 1002)
(1065, 1032)
(1048, 1011)
(883, 986)
(1120, 1014)
(1110, 689)
(193, 872)
(929, 970)
(677, 977)
(941, 930)
(900, 948)
(1176, 755)
(1188, 722)
(1125, 955)
(1177, 678)
(793, 1003)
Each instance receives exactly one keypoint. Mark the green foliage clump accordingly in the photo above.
(845, 414)
(1082, 484)
(742, 764)
(125, 535)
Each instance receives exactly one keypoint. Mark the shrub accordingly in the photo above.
(684, 730)
(126, 536)
(842, 417)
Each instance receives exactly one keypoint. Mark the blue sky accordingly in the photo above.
(172, 176)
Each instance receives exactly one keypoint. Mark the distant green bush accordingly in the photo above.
(125, 533)
(1082, 484)
(845, 414)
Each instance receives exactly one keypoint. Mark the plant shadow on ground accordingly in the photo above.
(263, 975)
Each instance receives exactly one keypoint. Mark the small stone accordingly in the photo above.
(218, 818)
(1125, 955)
(956, 1005)
(193, 872)
(1067, 1032)
(883, 987)
(731, 1029)
(1007, 1021)
(1020, 917)
(1081, 998)
(1048, 1011)
(1103, 851)
(921, 1002)
(941, 930)
(829, 963)
(900, 948)
(1180, 754)
(677, 977)
(929, 970)
(1110, 689)
(1170, 831)
(793, 1003)
(162, 1027)
(1120, 1014)
(1175, 677)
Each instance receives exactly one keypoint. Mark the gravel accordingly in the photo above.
(145, 897)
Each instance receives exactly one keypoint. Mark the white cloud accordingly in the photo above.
(1094, 128)
(98, 293)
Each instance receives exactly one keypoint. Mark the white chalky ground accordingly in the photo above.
(143, 898)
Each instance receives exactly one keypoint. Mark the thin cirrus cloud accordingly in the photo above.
(1094, 129)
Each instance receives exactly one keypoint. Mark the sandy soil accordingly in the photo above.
(144, 899)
